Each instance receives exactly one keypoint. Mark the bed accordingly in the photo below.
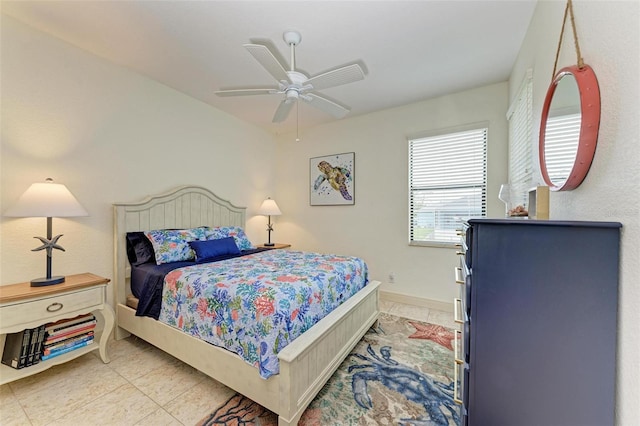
(305, 364)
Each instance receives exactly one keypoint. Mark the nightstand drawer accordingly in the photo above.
(44, 309)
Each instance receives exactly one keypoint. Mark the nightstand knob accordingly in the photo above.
(54, 307)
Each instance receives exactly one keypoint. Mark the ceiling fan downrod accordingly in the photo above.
(292, 38)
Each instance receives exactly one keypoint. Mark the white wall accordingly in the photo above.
(110, 135)
(608, 33)
(376, 227)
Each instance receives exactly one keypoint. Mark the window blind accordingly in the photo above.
(561, 146)
(520, 118)
(447, 184)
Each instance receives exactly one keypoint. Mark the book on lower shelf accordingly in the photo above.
(48, 354)
(35, 345)
(16, 349)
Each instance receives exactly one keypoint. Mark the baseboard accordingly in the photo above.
(416, 301)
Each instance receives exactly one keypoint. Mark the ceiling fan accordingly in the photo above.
(295, 85)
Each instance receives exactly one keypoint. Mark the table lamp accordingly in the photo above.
(269, 208)
(48, 200)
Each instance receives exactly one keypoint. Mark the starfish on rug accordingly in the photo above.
(436, 333)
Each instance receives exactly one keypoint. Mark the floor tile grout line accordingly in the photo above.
(21, 407)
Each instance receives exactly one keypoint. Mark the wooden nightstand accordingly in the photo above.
(23, 307)
(275, 246)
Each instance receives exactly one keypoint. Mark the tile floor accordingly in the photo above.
(140, 386)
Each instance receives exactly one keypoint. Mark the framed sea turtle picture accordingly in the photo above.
(331, 179)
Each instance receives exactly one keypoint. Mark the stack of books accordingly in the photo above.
(28, 347)
(67, 335)
(23, 348)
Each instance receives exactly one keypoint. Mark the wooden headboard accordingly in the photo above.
(182, 207)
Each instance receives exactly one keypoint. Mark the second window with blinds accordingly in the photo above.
(447, 183)
(521, 143)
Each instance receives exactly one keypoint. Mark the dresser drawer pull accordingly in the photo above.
(456, 388)
(457, 308)
(459, 279)
(54, 307)
(460, 253)
(456, 346)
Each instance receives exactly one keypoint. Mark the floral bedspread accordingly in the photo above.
(256, 305)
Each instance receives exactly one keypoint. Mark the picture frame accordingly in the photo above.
(331, 180)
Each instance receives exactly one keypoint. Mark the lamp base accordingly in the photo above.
(41, 282)
(269, 244)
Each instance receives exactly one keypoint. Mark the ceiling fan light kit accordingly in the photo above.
(295, 85)
(292, 37)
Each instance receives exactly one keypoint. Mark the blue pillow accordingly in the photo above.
(213, 248)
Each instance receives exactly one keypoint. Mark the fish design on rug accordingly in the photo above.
(436, 333)
(415, 386)
(336, 176)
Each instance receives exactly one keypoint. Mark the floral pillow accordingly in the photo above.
(172, 245)
(236, 232)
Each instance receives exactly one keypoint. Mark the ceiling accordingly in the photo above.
(410, 51)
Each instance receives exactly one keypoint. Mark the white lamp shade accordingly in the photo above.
(46, 199)
(269, 208)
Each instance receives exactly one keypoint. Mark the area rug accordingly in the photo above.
(400, 373)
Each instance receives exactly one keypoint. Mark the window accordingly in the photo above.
(520, 142)
(447, 184)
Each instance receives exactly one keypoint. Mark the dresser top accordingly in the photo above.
(13, 292)
(532, 222)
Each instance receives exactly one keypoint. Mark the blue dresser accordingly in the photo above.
(537, 309)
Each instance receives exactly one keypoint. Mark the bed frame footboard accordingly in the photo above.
(309, 361)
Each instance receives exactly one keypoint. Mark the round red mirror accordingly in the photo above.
(569, 127)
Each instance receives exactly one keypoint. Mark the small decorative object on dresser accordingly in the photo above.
(66, 320)
(539, 202)
(504, 195)
(538, 314)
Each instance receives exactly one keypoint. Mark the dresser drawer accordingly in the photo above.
(463, 278)
(46, 309)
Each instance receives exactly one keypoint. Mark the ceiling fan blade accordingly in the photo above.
(245, 92)
(283, 111)
(268, 61)
(324, 104)
(338, 77)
